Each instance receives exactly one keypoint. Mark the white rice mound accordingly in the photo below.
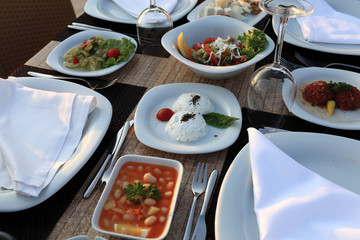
(193, 102)
(186, 126)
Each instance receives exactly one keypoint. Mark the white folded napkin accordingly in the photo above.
(292, 202)
(136, 7)
(39, 131)
(329, 26)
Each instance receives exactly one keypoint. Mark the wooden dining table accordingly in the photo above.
(67, 214)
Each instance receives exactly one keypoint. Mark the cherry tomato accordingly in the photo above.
(75, 60)
(164, 114)
(113, 52)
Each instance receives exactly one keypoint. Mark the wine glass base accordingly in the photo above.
(272, 92)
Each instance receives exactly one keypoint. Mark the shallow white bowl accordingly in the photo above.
(55, 61)
(213, 26)
(142, 159)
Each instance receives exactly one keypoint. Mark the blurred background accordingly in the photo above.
(27, 26)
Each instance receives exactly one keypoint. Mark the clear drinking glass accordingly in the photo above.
(151, 25)
(272, 87)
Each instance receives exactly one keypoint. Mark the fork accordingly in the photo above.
(93, 84)
(198, 187)
(310, 63)
(289, 65)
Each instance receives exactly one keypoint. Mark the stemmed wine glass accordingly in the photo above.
(151, 25)
(272, 87)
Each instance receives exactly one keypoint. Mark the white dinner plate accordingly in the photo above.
(333, 157)
(55, 61)
(198, 12)
(94, 131)
(109, 11)
(348, 120)
(151, 131)
(294, 35)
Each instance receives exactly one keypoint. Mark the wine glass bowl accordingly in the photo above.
(286, 8)
(151, 25)
(272, 87)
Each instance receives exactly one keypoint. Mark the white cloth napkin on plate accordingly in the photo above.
(329, 26)
(39, 131)
(293, 202)
(136, 7)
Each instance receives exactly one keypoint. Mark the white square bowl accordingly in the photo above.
(213, 26)
(141, 159)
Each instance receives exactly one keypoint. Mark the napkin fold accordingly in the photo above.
(329, 26)
(135, 7)
(293, 202)
(39, 131)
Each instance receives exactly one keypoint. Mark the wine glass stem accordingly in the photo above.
(152, 3)
(280, 39)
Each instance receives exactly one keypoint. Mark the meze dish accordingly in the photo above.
(56, 62)
(215, 51)
(139, 199)
(332, 95)
(96, 53)
(190, 116)
(236, 9)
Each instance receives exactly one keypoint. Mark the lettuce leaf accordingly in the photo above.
(253, 42)
(126, 48)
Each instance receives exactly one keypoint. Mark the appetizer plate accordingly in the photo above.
(95, 129)
(348, 120)
(109, 11)
(294, 35)
(139, 159)
(212, 26)
(333, 157)
(151, 132)
(198, 12)
(55, 61)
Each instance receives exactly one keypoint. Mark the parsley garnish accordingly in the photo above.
(134, 191)
(153, 192)
(336, 86)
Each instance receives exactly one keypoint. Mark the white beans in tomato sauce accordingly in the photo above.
(151, 213)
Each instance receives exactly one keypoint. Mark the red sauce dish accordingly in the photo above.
(139, 200)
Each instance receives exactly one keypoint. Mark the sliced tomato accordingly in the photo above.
(243, 58)
(213, 57)
(113, 52)
(164, 114)
(209, 40)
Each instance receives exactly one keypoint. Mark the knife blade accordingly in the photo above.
(114, 146)
(200, 228)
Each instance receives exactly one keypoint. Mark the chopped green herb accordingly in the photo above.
(153, 192)
(219, 120)
(134, 191)
(336, 86)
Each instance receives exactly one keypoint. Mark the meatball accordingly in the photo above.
(348, 99)
(318, 93)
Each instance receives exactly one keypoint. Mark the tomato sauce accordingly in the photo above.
(148, 217)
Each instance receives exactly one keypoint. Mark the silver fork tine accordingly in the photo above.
(289, 65)
(196, 174)
(201, 172)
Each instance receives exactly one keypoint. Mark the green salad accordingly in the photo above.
(96, 53)
(227, 52)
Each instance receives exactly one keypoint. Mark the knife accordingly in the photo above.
(81, 26)
(200, 228)
(114, 145)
